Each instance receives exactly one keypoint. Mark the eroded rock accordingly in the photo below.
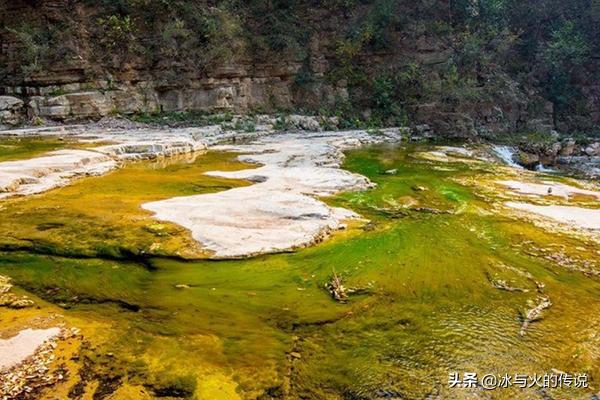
(528, 160)
(548, 188)
(59, 168)
(577, 217)
(55, 169)
(279, 212)
(12, 111)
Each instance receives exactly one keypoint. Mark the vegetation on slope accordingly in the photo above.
(547, 45)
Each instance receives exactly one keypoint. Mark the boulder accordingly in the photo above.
(91, 104)
(133, 101)
(567, 147)
(304, 122)
(528, 160)
(12, 110)
(593, 149)
(554, 149)
(224, 98)
(57, 107)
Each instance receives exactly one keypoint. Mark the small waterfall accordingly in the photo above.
(506, 154)
(540, 168)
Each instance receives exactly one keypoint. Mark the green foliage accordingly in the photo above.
(395, 93)
(36, 45)
(304, 77)
(494, 12)
(277, 26)
(384, 99)
(566, 50)
(57, 92)
(176, 38)
(374, 29)
(117, 32)
(370, 31)
(222, 35)
(41, 46)
(244, 125)
(483, 48)
(183, 34)
(199, 37)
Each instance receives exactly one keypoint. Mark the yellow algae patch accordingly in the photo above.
(217, 386)
(102, 215)
(51, 367)
(27, 147)
(131, 392)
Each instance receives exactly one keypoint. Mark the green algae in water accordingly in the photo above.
(430, 309)
(19, 148)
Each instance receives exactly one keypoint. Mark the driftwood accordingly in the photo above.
(499, 284)
(503, 285)
(336, 288)
(534, 314)
(430, 210)
(340, 293)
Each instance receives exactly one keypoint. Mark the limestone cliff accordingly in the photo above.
(384, 60)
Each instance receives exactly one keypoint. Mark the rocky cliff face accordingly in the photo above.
(66, 60)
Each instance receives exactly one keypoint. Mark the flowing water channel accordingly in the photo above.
(432, 266)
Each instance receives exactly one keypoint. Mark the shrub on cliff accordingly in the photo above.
(566, 51)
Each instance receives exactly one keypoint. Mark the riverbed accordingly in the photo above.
(441, 272)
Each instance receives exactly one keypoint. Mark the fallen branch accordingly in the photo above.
(534, 314)
(503, 285)
(336, 288)
(341, 293)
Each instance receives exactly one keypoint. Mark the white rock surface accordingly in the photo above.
(547, 188)
(9, 102)
(59, 168)
(451, 154)
(55, 169)
(17, 349)
(578, 217)
(279, 212)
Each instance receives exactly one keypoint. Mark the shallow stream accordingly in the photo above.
(160, 320)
